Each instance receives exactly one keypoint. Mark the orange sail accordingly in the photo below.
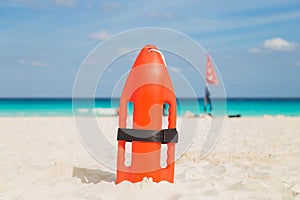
(210, 73)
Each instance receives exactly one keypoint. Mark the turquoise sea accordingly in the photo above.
(63, 107)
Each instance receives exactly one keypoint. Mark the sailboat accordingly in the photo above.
(210, 78)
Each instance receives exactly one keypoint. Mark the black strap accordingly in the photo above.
(163, 136)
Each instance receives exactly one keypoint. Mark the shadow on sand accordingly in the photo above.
(93, 175)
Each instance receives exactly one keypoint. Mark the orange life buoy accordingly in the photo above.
(148, 87)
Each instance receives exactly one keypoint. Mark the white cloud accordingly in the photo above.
(37, 63)
(101, 35)
(279, 44)
(22, 61)
(254, 50)
(33, 63)
(221, 24)
(274, 44)
(65, 3)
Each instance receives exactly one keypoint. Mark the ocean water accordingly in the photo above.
(104, 107)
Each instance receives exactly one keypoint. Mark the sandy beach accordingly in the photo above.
(255, 158)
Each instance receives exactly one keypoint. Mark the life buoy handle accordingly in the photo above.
(163, 136)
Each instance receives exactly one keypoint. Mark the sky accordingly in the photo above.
(254, 44)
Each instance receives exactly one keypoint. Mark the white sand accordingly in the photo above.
(256, 158)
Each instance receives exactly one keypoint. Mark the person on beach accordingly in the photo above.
(207, 101)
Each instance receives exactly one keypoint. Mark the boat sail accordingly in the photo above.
(210, 78)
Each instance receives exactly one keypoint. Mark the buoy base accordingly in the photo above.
(163, 174)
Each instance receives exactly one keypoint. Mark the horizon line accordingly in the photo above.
(98, 98)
